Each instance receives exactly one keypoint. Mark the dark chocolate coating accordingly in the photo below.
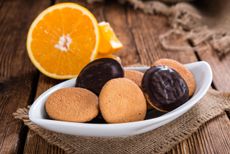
(165, 88)
(94, 75)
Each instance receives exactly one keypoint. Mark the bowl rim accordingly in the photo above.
(187, 105)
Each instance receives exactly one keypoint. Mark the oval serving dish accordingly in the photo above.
(203, 75)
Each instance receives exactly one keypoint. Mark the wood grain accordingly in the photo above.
(213, 137)
(34, 143)
(146, 30)
(220, 67)
(115, 14)
(17, 74)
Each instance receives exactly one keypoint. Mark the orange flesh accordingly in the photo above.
(73, 25)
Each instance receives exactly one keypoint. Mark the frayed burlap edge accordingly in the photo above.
(159, 140)
(185, 21)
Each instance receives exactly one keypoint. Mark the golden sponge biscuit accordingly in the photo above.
(121, 100)
(135, 76)
(72, 104)
(183, 71)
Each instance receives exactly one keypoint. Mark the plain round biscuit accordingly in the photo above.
(135, 76)
(183, 71)
(72, 104)
(121, 100)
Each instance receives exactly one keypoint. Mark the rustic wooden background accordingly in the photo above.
(21, 83)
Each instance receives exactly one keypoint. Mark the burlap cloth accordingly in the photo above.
(159, 140)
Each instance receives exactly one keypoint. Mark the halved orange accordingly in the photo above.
(62, 40)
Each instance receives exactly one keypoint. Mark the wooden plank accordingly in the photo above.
(146, 30)
(34, 143)
(220, 67)
(116, 15)
(213, 137)
(40, 146)
(17, 74)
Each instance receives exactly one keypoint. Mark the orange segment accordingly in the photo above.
(62, 40)
(109, 43)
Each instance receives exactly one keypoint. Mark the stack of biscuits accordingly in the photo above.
(103, 88)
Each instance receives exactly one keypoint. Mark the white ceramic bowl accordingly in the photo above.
(37, 115)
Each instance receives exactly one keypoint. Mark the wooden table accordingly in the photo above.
(21, 83)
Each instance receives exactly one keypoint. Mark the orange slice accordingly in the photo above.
(109, 43)
(62, 40)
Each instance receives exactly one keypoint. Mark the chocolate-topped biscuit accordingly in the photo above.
(164, 88)
(94, 75)
(182, 70)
